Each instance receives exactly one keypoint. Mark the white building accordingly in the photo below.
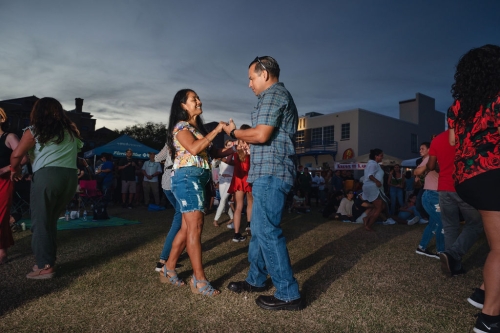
(332, 137)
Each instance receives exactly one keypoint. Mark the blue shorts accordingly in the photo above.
(188, 187)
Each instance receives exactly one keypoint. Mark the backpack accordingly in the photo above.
(100, 212)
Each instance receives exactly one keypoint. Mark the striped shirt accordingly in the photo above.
(275, 157)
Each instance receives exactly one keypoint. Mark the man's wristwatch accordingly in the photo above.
(231, 134)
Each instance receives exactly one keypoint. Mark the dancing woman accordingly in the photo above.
(53, 142)
(190, 145)
(240, 187)
(474, 122)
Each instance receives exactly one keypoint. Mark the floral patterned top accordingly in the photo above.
(182, 156)
(476, 142)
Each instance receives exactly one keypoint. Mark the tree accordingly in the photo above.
(151, 134)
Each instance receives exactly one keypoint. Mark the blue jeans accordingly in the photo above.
(174, 228)
(396, 194)
(458, 243)
(419, 204)
(267, 252)
(435, 226)
(408, 215)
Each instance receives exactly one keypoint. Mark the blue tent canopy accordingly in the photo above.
(119, 146)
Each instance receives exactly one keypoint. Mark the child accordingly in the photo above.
(299, 203)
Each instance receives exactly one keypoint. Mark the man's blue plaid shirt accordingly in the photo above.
(275, 157)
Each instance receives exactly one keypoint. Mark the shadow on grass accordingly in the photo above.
(291, 231)
(78, 250)
(345, 253)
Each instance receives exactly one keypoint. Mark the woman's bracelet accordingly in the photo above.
(206, 139)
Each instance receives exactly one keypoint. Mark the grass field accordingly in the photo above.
(352, 280)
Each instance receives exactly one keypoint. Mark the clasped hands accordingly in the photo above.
(227, 127)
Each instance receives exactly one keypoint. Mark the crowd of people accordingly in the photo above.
(457, 174)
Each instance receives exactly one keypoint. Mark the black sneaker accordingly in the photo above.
(159, 266)
(483, 327)
(477, 298)
(449, 265)
(129, 206)
(238, 238)
(427, 253)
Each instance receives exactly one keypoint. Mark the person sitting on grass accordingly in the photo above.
(344, 212)
(408, 214)
(333, 204)
(299, 203)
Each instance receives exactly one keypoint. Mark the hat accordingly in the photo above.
(129, 149)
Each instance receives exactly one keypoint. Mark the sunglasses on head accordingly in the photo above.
(260, 62)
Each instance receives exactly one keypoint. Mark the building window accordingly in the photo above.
(302, 122)
(414, 143)
(299, 139)
(328, 135)
(317, 136)
(345, 133)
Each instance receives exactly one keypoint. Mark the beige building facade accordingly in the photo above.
(327, 138)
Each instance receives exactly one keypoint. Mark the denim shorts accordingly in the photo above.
(188, 187)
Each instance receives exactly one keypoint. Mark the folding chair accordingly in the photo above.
(21, 198)
(19, 204)
(90, 194)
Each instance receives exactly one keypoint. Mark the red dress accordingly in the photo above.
(240, 175)
(6, 188)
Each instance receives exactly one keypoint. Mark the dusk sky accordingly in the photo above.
(127, 59)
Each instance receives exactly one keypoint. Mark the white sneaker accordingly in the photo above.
(230, 225)
(423, 221)
(389, 221)
(360, 219)
(413, 220)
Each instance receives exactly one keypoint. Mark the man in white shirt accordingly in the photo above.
(151, 170)
(318, 183)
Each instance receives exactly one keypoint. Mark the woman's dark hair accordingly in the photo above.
(375, 152)
(177, 114)
(270, 64)
(426, 143)
(477, 79)
(408, 174)
(50, 121)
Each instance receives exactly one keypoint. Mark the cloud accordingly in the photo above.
(127, 59)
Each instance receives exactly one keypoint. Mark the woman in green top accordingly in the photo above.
(52, 141)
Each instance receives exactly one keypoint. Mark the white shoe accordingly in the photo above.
(423, 221)
(360, 219)
(230, 225)
(389, 221)
(413, 220)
